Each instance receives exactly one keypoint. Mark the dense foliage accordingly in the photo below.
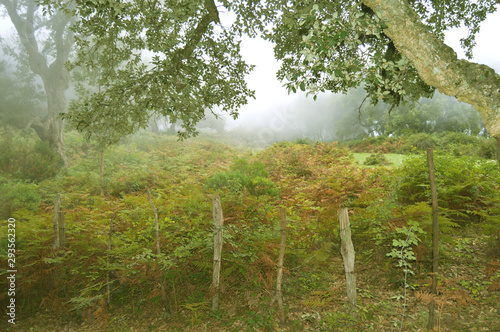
(335, 46)
(26, 159)
(457, 144)
(193, 65)
(312, 181)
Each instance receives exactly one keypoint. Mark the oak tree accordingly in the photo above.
(47, 41)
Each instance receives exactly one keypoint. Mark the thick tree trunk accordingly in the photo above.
(50, 129)
(55, 76)
(437, 63)
(56, 85)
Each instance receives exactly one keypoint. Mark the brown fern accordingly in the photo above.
(101, 314)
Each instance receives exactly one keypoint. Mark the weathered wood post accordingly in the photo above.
(218, 224)
(110, 235)
(55, 221)
(101, 172)
(62, 229)
(347, 251)
(156, 223)
(278, 295)
(435, 235)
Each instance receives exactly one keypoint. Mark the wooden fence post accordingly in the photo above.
(347, 251)
(101, 172)
(62, 229)
(435, 235)
(55, 221)
(218, 223)
(156, 223)
(278, 295)
(110, 235)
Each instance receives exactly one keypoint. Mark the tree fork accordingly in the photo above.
(195, 36)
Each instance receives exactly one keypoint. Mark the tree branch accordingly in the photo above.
(437, 63)
(26, 33)
(212, 15)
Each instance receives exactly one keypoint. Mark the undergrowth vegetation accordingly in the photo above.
(389, 210)
(453, 143)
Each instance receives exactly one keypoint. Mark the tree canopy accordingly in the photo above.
(323, 45)
(195, 64)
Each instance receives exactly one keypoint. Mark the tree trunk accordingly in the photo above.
(50, 129)
(55, 76)
(55, 88)
(437, 63)
(153, 126)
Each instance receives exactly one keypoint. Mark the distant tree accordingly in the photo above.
(213, 121)
(47, 40)
(359, 119)
(437, 115)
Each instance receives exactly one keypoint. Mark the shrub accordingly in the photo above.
(467, 186)
(460, 144)
(376, 159)
(421, 142)
(27, 158)
(243, 174)
(18, 195)
(305, 141)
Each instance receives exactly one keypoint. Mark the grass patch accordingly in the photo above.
(394, 159)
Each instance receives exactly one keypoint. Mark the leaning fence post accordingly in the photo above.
(347, 251)
(218, 223)
(278, 295)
